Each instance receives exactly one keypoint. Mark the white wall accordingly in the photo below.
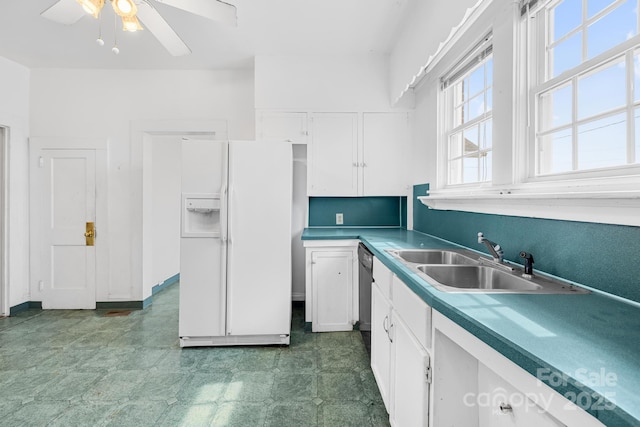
(107, 103)
(14, 114)
(166, 201)
(427, 25)
(322, 83)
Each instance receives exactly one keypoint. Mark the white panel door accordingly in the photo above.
(259, 238)
(203, 259)
(333, 165)
(386, 160)
(65, 201)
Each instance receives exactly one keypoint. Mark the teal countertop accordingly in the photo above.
(586, 347)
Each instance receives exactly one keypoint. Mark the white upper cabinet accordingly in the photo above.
(282, 126)
(359, 154)
(385, 158)
(350, 154)
(333, 162)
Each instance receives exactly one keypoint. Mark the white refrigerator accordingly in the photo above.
(235, 246)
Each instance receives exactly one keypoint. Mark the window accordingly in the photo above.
(468, 103)
(556, 133)
(585, 99)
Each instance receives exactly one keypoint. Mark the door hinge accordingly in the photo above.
(427, 374)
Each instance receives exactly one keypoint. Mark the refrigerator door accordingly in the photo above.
(203, 239)
(259, 227)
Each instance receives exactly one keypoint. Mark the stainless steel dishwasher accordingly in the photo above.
(365, 279)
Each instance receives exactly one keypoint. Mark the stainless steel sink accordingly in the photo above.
(460, 270)
(480, 278)
(430, 256)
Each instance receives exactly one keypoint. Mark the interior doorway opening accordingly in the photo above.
(4, 218)
(161, 208)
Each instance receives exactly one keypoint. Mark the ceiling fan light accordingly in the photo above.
(124, 8)
(131, 24)
(92, 7)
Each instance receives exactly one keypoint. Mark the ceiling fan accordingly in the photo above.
(70, 11)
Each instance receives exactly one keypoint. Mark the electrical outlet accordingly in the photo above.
(339, 219)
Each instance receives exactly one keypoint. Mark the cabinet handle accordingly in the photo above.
(384, 324)
(390, 333)
(505, 408)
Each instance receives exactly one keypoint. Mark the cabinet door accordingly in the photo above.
(383, 277)
(282, 126)
(333, 163)
(386, 154)
(381, 343)
(502, 405)
(410, 395)
(332, 283)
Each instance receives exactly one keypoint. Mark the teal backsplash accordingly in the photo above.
(602, 256)
(358, 211)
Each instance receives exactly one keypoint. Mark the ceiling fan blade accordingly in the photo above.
(65, 12)
(215, 10)
(161, 30)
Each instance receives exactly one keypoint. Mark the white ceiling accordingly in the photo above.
(265, 27)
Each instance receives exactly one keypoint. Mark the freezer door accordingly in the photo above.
(259, 236)
(203, 245)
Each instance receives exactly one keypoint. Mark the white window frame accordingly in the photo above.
(540, 83)
(472, 60)
(578, 196)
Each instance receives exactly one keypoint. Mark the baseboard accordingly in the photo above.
(120, 305)
(106, 305)
(164, 285)
(25, 306)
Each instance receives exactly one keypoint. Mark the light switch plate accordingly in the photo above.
(339, 219)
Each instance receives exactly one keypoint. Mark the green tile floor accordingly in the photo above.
(84, 368)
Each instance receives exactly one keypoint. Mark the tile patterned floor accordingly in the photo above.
(82, 368)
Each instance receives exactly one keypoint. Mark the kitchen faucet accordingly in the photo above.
(494, 248)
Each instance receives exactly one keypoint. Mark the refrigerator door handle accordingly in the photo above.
(223, 214)
(229, 222)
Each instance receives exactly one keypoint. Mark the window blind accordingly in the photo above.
(476, 55)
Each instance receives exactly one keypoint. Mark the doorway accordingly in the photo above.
(152, 145)
(4, 218)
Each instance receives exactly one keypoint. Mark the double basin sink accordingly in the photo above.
(459, 270)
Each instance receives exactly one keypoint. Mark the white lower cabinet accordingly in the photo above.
(475, 386)
(411, 377)
(502, 405)
(399, 361)
(432, 372)
(331, 295)
(381, 343)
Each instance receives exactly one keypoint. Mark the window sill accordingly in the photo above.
(610, 207)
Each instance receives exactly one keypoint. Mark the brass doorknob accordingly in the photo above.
(90, 234)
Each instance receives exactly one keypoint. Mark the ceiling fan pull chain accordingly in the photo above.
(99, 40)
(115, 48)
